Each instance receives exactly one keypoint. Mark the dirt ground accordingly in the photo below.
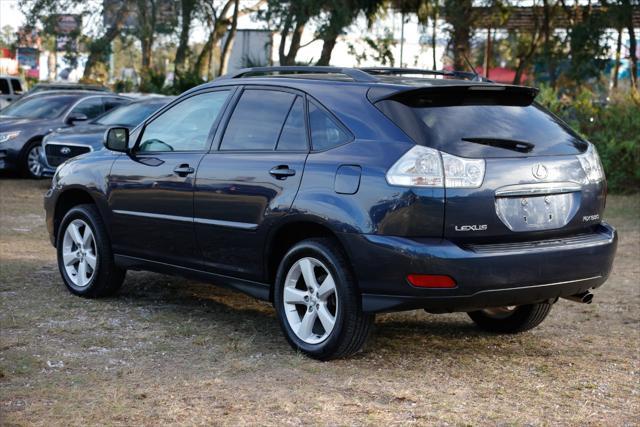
(173, 351)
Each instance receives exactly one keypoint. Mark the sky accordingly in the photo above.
(10, 14)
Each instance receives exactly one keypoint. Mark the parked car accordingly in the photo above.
(11, 88)
(342, 193)
(41, 87)
(27, 121)
(65, 143)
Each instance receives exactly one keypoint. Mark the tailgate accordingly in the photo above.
(525, 199)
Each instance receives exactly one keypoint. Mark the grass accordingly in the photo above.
(172, 351)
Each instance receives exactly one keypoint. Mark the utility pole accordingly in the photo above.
(402, 39)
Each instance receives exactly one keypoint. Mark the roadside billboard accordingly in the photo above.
(29, 60)
(67, 29)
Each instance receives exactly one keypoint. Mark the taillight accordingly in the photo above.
(427, 167)
(591, 164)
(431, 281)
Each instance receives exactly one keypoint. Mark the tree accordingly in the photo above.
(219, 17)
(291, 17)
(100, 48)
(146, 10)
(228, 43)
(459, 15)
(7, 37)
(633, 44)
(587, 45)
(188, 8)
(340, 14)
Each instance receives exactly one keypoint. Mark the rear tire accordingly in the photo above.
(85, 259)
(318, 303)
(506, 320)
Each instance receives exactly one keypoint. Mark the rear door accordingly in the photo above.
(534, 185)
(251, 179)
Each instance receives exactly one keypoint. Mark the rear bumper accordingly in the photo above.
(486, 275)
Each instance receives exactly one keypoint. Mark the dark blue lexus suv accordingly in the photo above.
(339, 193)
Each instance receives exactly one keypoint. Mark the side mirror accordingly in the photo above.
(76, 117)
(117, 139)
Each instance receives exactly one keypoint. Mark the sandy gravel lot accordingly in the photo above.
(173, 351)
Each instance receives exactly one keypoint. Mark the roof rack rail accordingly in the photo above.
(395, 71)
(356, 74)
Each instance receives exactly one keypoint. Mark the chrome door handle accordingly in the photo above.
(183, 170)
(282, 172)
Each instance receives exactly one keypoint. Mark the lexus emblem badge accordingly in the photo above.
(539, 171)
(67, 150)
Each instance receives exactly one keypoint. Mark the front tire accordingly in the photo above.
(318, 303)
(31, 165)
(84, 253)
(512, 319)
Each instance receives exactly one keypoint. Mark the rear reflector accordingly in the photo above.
(431, 281)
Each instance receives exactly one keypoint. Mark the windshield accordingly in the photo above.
(40, 107)
(129, 115)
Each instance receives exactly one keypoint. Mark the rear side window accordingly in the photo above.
(4, 87)
(294, 135)
(16, 86)
(257, 120)
(325, 132)
(110, 103)
(91, 107)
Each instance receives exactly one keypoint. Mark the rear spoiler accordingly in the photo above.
(446, 95)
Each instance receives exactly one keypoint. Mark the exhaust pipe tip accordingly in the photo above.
(585, 297)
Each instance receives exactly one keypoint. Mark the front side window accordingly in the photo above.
(4, 87)
(91, 108)
(325, 132)
(257, 120)
(185, 126)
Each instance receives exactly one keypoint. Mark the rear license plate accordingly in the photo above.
(537, 212)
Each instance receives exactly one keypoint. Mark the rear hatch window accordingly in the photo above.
(484, 122)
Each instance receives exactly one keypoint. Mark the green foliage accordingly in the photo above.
(152, 82)
(185, 82)
(7, 37)
(379, 50)
(613, 126)
(123, 86)
(587, 46)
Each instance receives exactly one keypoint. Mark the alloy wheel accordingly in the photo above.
(310, 300)
(33, 160)
(79, 253)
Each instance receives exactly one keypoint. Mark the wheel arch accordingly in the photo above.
(289, 232)
(67, 200)
(24, 151)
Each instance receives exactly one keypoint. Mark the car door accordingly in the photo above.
(151, 189)
(251, 180)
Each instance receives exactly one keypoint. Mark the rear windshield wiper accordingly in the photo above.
(508, 144)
